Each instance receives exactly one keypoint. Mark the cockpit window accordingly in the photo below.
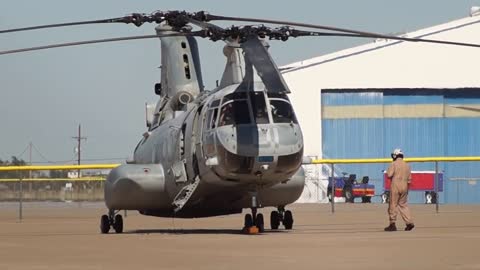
(282, 111)
(234, 113)
(215, 103)
(259, 108)
(234, 96)
(277, 95)
(212, 118)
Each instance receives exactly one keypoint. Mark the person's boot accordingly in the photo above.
(391, 228)
(409, 227)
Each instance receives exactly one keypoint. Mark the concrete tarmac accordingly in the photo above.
(66, 236)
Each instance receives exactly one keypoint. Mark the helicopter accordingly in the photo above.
(214, 152)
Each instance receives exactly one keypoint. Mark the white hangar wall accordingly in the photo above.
(384, 64)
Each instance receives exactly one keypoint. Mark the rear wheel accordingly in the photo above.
(329, 194)
(430, 197)
(366, 199)
(348, 194)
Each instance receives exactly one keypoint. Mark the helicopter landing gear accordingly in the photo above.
(254, 223)
(281, 216)
(112, 220)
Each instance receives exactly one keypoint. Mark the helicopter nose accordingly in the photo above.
(268, 151)
(261, 140)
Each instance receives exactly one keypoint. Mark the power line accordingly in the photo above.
(40, 154)
(23, 152)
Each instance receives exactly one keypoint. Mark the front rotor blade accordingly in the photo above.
(112, 20)
(77, 43)
(344, 30)
(267, 70)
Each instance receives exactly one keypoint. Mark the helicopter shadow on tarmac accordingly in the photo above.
(199, 231)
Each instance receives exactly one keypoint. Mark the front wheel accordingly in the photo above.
(104, 224)
(288, 220)
(385, 197)
(118, 224)
(248, 221)
(274, 220)
(259, 222)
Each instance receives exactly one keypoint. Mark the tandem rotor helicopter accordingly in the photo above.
(213, 152)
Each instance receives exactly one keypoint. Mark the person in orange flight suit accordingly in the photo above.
(399, 173)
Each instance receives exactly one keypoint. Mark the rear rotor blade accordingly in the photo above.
(77, 43)
(268, 71)
(337, 29)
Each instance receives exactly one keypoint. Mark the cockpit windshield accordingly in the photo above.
(247, 108)
(281, 109)
(234, 112)
(259, 107)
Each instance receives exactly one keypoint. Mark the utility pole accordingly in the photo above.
(79, 139)
(30, 159)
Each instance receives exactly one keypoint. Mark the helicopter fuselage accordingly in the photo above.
(209, 153)
(234, 148)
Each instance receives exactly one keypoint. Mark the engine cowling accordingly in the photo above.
(136, 187)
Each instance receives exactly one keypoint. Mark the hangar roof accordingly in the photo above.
(391, 64)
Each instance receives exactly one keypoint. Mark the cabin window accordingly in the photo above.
(187, 66)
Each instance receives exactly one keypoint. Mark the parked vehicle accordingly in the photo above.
(349, 188)
(421, 181)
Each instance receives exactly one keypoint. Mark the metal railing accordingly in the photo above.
(57, 167)
(332, 162)
(50, 167)
(435, 160)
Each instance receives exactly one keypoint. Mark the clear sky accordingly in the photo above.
(44, 95)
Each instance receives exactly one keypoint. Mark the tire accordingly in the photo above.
(385, 197)
(329, 195)
(274, 220)
(248, 222)
(428, 198)
(288, 220)
(118, 224)
(104, 224)
(348, 194)
(259, 222)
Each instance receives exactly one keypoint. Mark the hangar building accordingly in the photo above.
(365, 101)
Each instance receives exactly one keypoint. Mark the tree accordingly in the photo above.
(13, 174)
(58, 174)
